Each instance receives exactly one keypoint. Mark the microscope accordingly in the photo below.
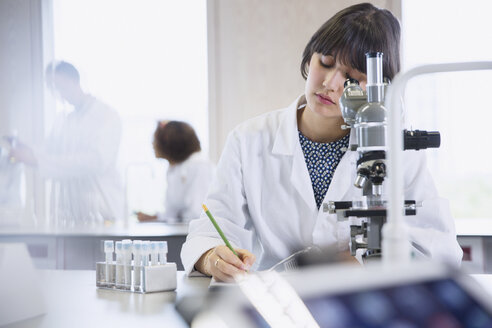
(364, 113)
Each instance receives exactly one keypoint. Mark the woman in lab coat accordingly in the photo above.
(189, 174)
(277, 169)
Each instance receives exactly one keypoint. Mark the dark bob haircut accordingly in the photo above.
(353, 32)
(175, 141)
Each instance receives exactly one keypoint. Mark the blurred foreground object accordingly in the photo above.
(22, 297)
(420, 294)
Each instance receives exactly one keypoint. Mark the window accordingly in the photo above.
(453, 103)
(147, 60)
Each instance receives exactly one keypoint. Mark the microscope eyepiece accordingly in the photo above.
(419, 139)
(373, 54)
(350, 81)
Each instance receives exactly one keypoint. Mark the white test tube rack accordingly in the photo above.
(144, 278)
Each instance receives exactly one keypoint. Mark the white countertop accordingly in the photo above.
(464, 227)
(73, 300)
(132, 230)
(484, 280)
(474, 227)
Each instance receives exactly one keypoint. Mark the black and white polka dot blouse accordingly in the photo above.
(322, 159)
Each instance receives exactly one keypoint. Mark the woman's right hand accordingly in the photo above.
(221, 263)
(23, 153)
(142, 217)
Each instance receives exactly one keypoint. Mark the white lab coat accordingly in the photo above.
(263, 199)
(187, 187)
(79, 157)
(10, 182)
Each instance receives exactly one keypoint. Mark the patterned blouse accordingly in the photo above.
(322, 159)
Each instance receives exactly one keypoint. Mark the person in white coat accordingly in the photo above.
(277, 169)
(79, 155)
(189, 174)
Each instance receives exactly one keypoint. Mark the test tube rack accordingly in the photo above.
(138, 279)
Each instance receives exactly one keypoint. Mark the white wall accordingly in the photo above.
(255, 49)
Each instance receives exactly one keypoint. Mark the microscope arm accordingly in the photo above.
(395, 246)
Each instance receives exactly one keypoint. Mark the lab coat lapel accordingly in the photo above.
(344, 176)
(287, 143)
(300, 177)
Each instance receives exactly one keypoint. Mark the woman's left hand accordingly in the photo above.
(346, 257)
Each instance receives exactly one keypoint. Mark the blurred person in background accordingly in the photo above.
(79, 155)
(189, 174)
(10, 177)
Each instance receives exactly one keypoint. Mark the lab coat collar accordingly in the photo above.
(86, 105)
(287, 143)
(286, 136)
(196, 156)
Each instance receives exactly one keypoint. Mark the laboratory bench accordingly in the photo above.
(475, 238)
(79, 248)
(72, 300)
(480, 227)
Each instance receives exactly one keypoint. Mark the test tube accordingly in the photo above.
(119, 263)
(108, 251)
(137, 263)
(153, 253)
(127, 262)
(162, 252)
(145, 252)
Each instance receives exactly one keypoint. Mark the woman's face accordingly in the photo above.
(324, 84)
